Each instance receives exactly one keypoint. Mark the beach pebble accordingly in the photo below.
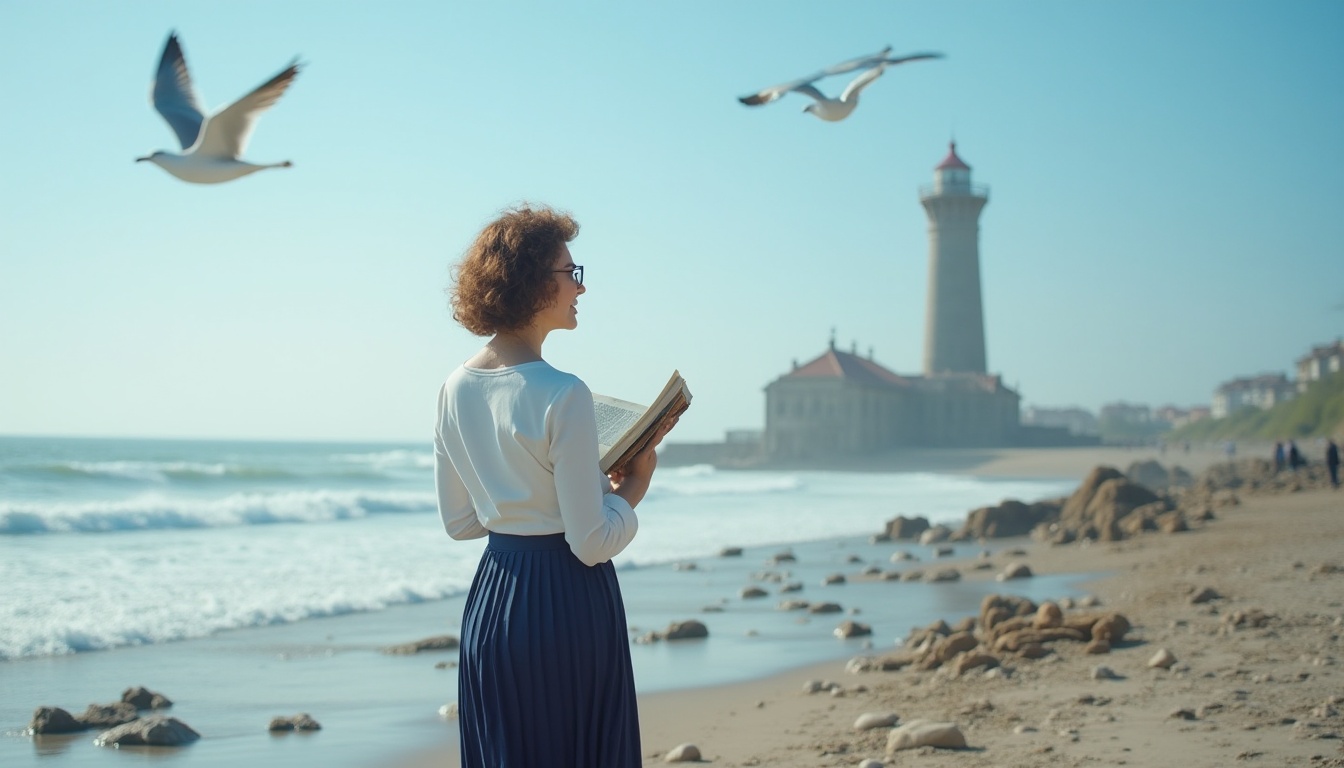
(792, 586)
(730, 552)
(1163, 659)
(300, 722)
(944, 575)
(683, 753)
(1014, 571)
(825, 608)
(54, 720)
(143, 698)
(869, 720)
(925, 733)
(152, 731)
(850, 628)
(749, 593)
(943, 551)
(900, 556)
(871, 570)
(934, 535)
(786, 556)
(1204, 595)
(812, 686)
(834, 578)
(685, 567)
(793, 605)
(870, 763)
(1182, 714)
(448, 711)
(1103, 672)
(1021, 729)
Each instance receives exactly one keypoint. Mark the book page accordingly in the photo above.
(641, 425)
(614, 418)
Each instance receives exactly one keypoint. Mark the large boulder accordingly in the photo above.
(906, 527)
(152, 731)
(108, 715)
(142, 698)
(685, 630)
(54, 720)
(1103, 500)
(1010, 518)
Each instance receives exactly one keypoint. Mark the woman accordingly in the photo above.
(544, 677)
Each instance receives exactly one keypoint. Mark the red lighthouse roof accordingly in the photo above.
(952, 161)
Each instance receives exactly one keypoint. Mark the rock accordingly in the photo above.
(730, 552)
(870, 763)
(54, 720)
(151, 731)
(913, 575)
(683, 753)
(1048, 615)
(1014, 571)
(792, 586)
(834, 578)
(304, 722)
(907, 527)
(849, 628)
(934, 535)
(900, 556)
(786, 556)
(925, 733)
(143, 698)
(969, 660)
(1011, 518)
(1182, 714)
(1103, 672)
(685, 567)
(871, 570)
(436, 643)
(1204, 595)
(752, 592)
(685, 630)
(950, 646)
(793, 605)
(108, 715)
(943, 575)
(1097, 646)
(1163, 659)
(943, 551)
(448, 711)
(870, 720)
(825, 608)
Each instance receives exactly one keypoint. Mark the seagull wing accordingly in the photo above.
(174, 95)
(912, 57)
(772, 93)
(863, 62)
(861, 82)
(775, 91)
(227, 132)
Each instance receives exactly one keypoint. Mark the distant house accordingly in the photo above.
(1127, 413)
(842, 404)
(1179, 417)
(1264, 391)
(1320, 362)
(1076, 421)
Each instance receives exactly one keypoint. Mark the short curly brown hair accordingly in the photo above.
(505, 277)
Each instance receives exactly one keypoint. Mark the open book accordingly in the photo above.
(624, 428)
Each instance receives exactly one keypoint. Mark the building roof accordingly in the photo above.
(834, 364)
(952, 161)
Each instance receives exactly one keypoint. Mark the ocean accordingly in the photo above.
(131, 557)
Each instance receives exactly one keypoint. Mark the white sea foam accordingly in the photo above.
(160, 511)
(396, 459)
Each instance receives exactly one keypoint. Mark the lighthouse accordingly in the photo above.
(954, 326)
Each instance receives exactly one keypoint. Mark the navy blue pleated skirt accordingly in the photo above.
(544, 679)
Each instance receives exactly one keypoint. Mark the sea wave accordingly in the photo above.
(149, 511)
(393, 459)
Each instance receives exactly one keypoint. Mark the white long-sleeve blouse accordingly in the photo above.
(515, 452)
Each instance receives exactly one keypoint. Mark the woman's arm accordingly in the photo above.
(455, 505)
(598, 525)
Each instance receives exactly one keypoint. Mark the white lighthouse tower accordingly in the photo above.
(954, 326)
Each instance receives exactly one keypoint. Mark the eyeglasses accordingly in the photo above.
(575, 273)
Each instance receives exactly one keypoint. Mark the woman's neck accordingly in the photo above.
(509, 348)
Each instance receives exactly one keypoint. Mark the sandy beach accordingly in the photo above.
(1265, 691)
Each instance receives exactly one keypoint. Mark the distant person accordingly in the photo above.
(1295, 459)
(544, 677)
(1332, 462)
(1279, 456)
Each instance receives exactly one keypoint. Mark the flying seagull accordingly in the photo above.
(825, 107)
(212, 147)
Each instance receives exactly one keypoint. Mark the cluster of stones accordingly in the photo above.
(1006, 627)
(121, 722)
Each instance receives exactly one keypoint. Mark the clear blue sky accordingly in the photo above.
(1167, 181)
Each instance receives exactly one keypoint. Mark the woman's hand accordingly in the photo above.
(631, 480)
